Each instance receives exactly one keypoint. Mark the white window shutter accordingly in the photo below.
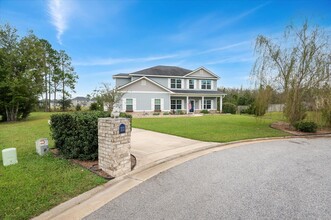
(152, 104)
(123, 107)
(162, 104)
(134, 103)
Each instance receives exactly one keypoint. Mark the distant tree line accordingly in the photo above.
(31, 70)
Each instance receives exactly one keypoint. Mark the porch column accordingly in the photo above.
(221, 103)
(202, 103)
(187, 105)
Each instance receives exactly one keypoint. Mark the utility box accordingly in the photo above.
(9, 156)
(42, 146)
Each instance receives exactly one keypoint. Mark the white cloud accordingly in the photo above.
(60, 11)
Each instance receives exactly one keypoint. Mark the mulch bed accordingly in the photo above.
(284, 126)
(92, 165)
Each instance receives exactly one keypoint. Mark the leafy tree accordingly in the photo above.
(67, 77)
(262, 100)
(21, 79)
(293, 64)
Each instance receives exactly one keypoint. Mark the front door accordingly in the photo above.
(191, 107)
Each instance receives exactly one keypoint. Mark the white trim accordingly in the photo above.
(162, 104)
(141, 78)
(202, 68)
(152, 104)
(134, 104)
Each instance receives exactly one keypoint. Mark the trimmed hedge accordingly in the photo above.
(229, 108)
(76, 134)
(205, 111)
(306, 126)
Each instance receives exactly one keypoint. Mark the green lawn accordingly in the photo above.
(36, 183)
(215, 128)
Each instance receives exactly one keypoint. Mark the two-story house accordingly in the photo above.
(169, 88)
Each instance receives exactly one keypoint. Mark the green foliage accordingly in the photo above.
(205, 111)
(306, 126)
(238, 96)
(156, 113)
(326, 114)
(125, 115)
(95, 106)
(262, 100)
(250, 110)
(229, 108)
(166, 113)
(78, 107)
(76, 134)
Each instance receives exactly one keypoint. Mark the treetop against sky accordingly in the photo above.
(109, 37)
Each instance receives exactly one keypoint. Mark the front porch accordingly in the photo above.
(196, 103)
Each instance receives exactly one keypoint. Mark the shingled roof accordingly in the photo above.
(160, 71)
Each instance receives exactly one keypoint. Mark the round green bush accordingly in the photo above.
(229, 108)
(306, 126)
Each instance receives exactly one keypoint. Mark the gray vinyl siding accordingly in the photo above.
(161, 81)
(121, 81)
(144, 100)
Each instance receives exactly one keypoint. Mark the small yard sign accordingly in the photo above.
(122, 128)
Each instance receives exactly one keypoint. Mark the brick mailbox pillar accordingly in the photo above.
(114, 143)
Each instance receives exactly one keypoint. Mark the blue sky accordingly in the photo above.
(106, 37)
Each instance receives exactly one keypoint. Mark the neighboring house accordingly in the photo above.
(82, 101)
(169, 88)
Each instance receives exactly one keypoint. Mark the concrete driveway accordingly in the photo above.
(284, 179)
(149, 147)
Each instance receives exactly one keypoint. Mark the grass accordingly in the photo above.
(36, 183)
(214, 128)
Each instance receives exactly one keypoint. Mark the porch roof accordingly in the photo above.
(197, 92)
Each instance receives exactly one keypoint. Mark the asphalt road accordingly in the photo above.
(289, 179)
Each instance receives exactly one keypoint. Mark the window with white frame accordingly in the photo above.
(206, 84)
(207, 104)
(176, 83)
(129, 105)
(191, 84)
(157, 105)
(176, 104)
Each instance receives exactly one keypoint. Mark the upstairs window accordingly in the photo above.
(176, 83)
(191, 84)
(206, 84)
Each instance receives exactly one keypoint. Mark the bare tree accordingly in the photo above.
(293, 64)
(108, 96)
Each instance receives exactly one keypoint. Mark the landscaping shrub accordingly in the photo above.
(166, 113)
(229, 108)
(326, 114)
(179, 112)
(306, 126)
(205, 111)
(78, 107)
(76, 134)
(125, 115)
(156, 113)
